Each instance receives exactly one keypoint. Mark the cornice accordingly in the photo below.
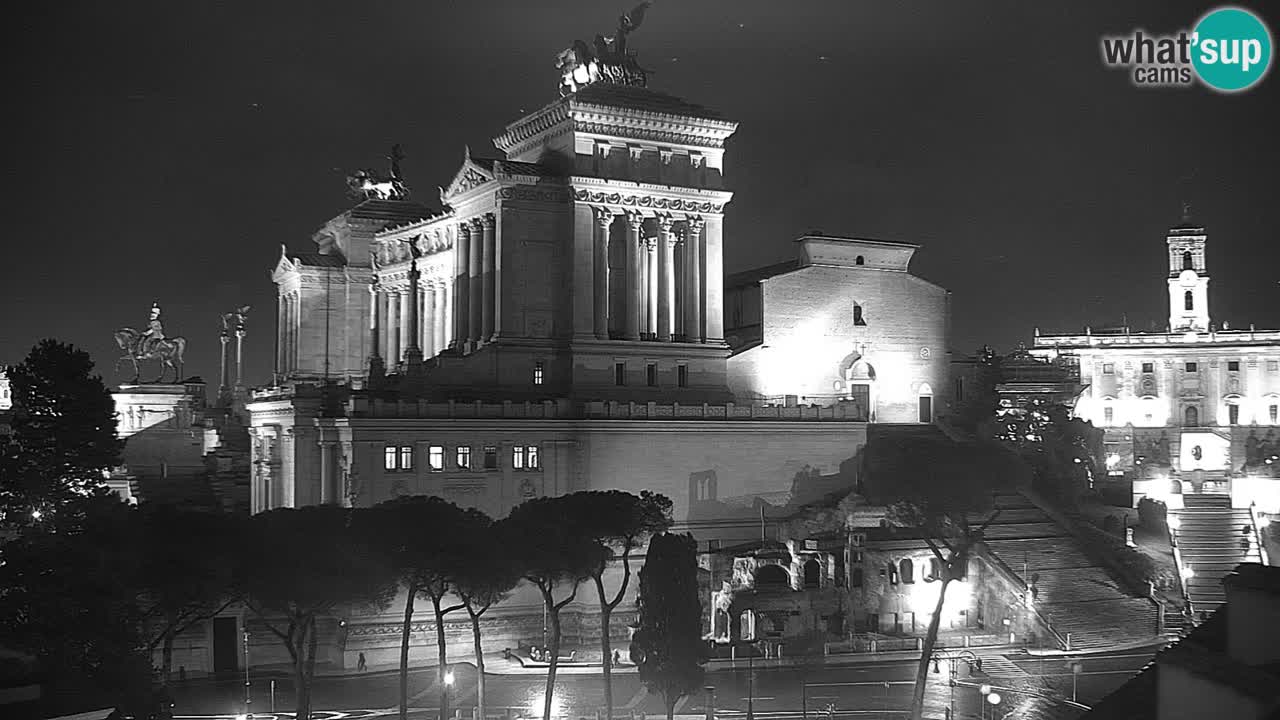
(645, 196)
(532, 125)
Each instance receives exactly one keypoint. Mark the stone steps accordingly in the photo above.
(1211, 543)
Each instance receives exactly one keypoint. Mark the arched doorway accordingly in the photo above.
(812, 574)
(859, 385)
(1191, 416)
(925, 395)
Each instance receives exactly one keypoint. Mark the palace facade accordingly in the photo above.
(1191, 409)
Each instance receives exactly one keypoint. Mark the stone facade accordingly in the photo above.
(844, 323)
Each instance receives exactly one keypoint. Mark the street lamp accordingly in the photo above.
(1076, 668)
(247, 699)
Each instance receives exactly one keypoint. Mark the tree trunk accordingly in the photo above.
(553, 613)
(671, 706)
(607, 663)
(475, 636)
(301, 690)
(405, 632)
(444, 660)
(166, 658)
(926, 651)
(312, 637)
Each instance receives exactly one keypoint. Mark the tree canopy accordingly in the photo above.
(63, 434)
(668, 646)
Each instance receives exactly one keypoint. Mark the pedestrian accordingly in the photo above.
(361, 664)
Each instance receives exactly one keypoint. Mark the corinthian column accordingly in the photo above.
(666, 278)
(475, 303)
(604, 219)
(393, 328)
(693, 279)
(651, 296)
(489, 276)
(634, 279)
(461, 295)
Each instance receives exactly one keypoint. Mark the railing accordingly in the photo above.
(612, 410)
(1177, 561)
(1257, 536)
(373, 407)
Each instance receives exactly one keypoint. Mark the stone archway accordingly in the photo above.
(858, 381)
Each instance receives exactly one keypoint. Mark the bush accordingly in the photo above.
(1153, 514)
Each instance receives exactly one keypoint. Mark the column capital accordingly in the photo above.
(665, 223)
(604, 216)
(695, 222)
(488, 220)
(635, 220)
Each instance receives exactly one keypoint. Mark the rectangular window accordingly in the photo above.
(1233, 366)
(463, 457)
(1233, 414)
(524, 457)
(619, 373)
(651, 375)
(490, 457)
(406, 457)
(1108, 368)
(1108, 415)
(959, 389)
(1148, 367)
(537, 372)
(1273, 412)
(1192, 367)
(682, 375)
(389, 458)
(435, 458)
(1273, 366)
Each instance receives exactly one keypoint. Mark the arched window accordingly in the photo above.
(1187, 262)
(1187, 301)
(1191, 416)
(907, 570)
(935, 570)
(857, 316)
(772, 577)
(812, 574)
(859, 261)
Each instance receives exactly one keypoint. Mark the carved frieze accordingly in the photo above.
(535, 194)
(646, 133)
(647, 201)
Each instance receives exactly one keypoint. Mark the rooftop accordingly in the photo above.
(640, 98)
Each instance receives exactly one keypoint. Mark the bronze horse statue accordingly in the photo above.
(168, 351)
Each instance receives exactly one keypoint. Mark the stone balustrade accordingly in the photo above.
(730, 411)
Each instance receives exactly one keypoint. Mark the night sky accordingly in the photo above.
(166, 149)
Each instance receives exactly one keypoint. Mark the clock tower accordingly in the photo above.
(1188, 278)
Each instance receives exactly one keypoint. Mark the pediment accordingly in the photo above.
(284, 266)
(470, 176)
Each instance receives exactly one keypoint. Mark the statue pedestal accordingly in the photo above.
(162, 428)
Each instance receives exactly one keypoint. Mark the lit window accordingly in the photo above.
(406, 457)
(464, 458)
(435, 457)
(517, 457)
(1233, 365)
(490, 457)
(537, 372)
(1148, 367)
(619, 373)
(682, 375)
(531, 457)
(651, 374)
(389, 458)
(1273, 412)
(1108, 368)
(1192, 367)
(1108, 415)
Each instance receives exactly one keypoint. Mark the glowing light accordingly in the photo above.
(1188, 573)
(1112, 461)
(36, 514)
(985, 689)
(540, 699)
(448, 678)
(1174, 522)
(242, 716)
(994, 698)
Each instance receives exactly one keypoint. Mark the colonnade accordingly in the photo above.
(395, 311)
(289, 322)
(657, 305)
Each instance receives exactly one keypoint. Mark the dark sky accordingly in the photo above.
(166, 149)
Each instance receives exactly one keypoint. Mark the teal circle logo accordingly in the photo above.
(1231, 49)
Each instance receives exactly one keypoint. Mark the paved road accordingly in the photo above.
(869, 690)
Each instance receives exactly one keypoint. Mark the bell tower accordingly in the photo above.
(1188, 277)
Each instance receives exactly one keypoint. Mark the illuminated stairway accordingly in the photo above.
(1212, 541)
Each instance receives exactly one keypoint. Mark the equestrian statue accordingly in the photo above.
(151, 344)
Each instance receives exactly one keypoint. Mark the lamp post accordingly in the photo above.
(247, 699)
(447, 678)
(1076, 668)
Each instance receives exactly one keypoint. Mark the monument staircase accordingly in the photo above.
(1212, 539)
(1078, 597)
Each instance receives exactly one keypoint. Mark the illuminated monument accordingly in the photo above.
(1191, 409)
(558, 323)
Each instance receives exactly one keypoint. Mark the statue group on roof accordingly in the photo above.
(366, 184)
(606, 59)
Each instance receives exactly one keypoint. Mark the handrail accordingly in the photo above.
(1257, 536)
(1018, 582)
(1177, 560)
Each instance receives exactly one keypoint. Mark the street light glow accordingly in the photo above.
(448, 678)
(994, 698)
